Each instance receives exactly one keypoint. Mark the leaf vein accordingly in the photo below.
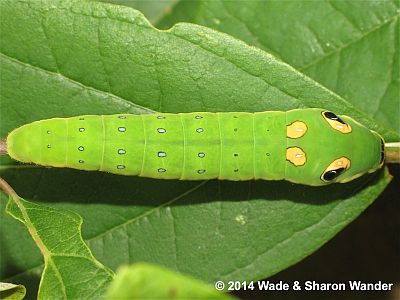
(348, 44)
(85, 87)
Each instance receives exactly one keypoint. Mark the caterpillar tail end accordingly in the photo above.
(3, 147)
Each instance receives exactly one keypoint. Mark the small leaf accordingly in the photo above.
(9, 291)
(70, 269)
(147, 281)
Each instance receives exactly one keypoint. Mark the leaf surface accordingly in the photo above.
(69, 58)
(351, 47)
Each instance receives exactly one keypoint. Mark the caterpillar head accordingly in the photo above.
(332, 148)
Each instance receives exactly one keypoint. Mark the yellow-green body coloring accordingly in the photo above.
(203, 145)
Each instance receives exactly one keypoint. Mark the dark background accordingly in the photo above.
(367, 250)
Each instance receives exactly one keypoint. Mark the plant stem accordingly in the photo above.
(3, 147)
(7, 188)
(392, 152)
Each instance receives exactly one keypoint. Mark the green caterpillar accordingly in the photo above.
(306, 146)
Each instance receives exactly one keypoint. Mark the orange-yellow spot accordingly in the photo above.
(296, 130)
(342, 162)
(343, 128)
(296, 156)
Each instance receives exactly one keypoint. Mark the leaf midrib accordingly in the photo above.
(38, 241)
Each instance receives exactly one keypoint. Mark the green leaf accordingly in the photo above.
(79, 52)
(351, 47)
(63, 58)
(9, 291)
(70, 270)
(147, 281)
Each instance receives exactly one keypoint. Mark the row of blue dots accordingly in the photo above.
(200, 154)
(164, 154)
(163, 130)
(160, 153)
(164, 117)
(162, 170)
(159, 130)
(82, 129)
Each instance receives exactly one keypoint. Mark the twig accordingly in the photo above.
(3, 147)
(392, 153)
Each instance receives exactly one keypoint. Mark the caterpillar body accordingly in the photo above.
(306, 146)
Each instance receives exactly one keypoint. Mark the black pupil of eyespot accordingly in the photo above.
(332, 116)
(332, 174)
(382, 151)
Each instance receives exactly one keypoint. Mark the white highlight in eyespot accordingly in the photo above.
(201, 171)
(48, 132)
(161, 170)
(161, 130)
(160, 117)
(199, 130)
(198, 117)
(121, 151)
(121, 117)
(120, 167)
(121, 129)
(162, 154)
(48, 146)
(201, 154)
(81, 129)
(81, 148)
(81, 161)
